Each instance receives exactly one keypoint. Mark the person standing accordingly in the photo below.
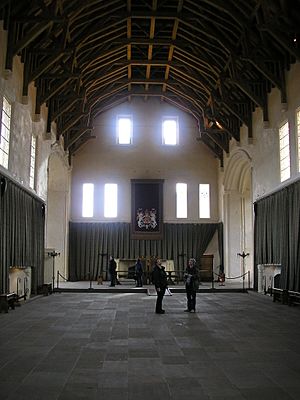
(139, 273)
(191, 284)
(159, 279)
(112, 270)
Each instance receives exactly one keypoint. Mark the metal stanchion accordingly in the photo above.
(243, 255)
(53, 254)
(91, 284)
(57, 280)
(248, 280)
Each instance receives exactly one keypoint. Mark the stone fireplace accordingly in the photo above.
(20, 280)
(265, 277)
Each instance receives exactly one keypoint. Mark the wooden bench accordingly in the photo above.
(8, 300)
(172, 278)
(294, 297)
(281, 295)
(45, 289)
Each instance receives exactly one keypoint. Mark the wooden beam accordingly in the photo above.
(245, 88)
(72, 121)
(66, 106)
(45, 66)
(53, 90)
(77, 136)
(286, 44)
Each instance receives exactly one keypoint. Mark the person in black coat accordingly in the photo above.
(139, 273)
(112, 270)
(159, 279)
(191, 277)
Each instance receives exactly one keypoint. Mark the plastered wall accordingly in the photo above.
(24, 124)
(252, 170)
(102, 161)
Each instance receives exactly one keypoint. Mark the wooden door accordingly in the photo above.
(206, 267)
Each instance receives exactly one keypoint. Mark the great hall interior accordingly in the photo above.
(145, 129)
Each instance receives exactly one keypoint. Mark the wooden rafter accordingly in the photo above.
(215, 59)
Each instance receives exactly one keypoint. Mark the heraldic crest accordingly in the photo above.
(146, 219)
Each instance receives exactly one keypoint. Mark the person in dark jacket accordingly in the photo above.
(139, 273)
(112, 270)
(159, 279)
(191, 277)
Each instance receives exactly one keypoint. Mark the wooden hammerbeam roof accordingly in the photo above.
(216, 59)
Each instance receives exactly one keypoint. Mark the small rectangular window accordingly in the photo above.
(32, 162)
(110, 200)
(5, 132)
(181, 200)
(170, 131)
(204, 200)
(298, 136)
(87, 200)
(124, 130)
(284, 149)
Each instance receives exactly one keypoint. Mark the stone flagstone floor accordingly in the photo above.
(113, 346)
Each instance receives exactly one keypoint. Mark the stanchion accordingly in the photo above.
(243, 255)
(90, 275)
(248, 280)
(53, 254)
(60, 275)
(57, 280)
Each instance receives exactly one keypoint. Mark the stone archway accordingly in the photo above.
(238, 214)
(58, 206)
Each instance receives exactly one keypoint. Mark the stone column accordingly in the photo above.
(260, 278)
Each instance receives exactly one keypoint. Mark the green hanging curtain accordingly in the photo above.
(92, 243)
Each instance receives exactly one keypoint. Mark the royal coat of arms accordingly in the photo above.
(146, 219)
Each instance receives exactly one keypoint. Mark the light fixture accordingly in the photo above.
(219, 125)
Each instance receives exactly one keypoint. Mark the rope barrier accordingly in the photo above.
(235, 277)
(62, 276)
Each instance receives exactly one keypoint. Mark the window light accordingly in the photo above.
(181, 200)
(5, 132)
(204, 200)
(169, 131)
(87, 200)
(298, 136)
(110, 200)
(32, 161)
(284, 150)
(124, 130)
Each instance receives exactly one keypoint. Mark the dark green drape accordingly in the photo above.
(91, 243)
(277, 234)
(22, 219)
(221, 245)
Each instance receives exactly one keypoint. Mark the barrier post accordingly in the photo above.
(53, 254)
(243, 255)
(57, 280)
(248, 280)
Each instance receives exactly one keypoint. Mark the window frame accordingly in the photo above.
(109, 201)
(183, 207)
(130, 118)
(297, 125)
(92, 200)
(3, 152)
(207, 215)
(170, 118)
(32, 166)
(281, 148)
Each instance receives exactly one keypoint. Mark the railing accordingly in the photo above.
(57, 279)
(233, 278)
(175, 277)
